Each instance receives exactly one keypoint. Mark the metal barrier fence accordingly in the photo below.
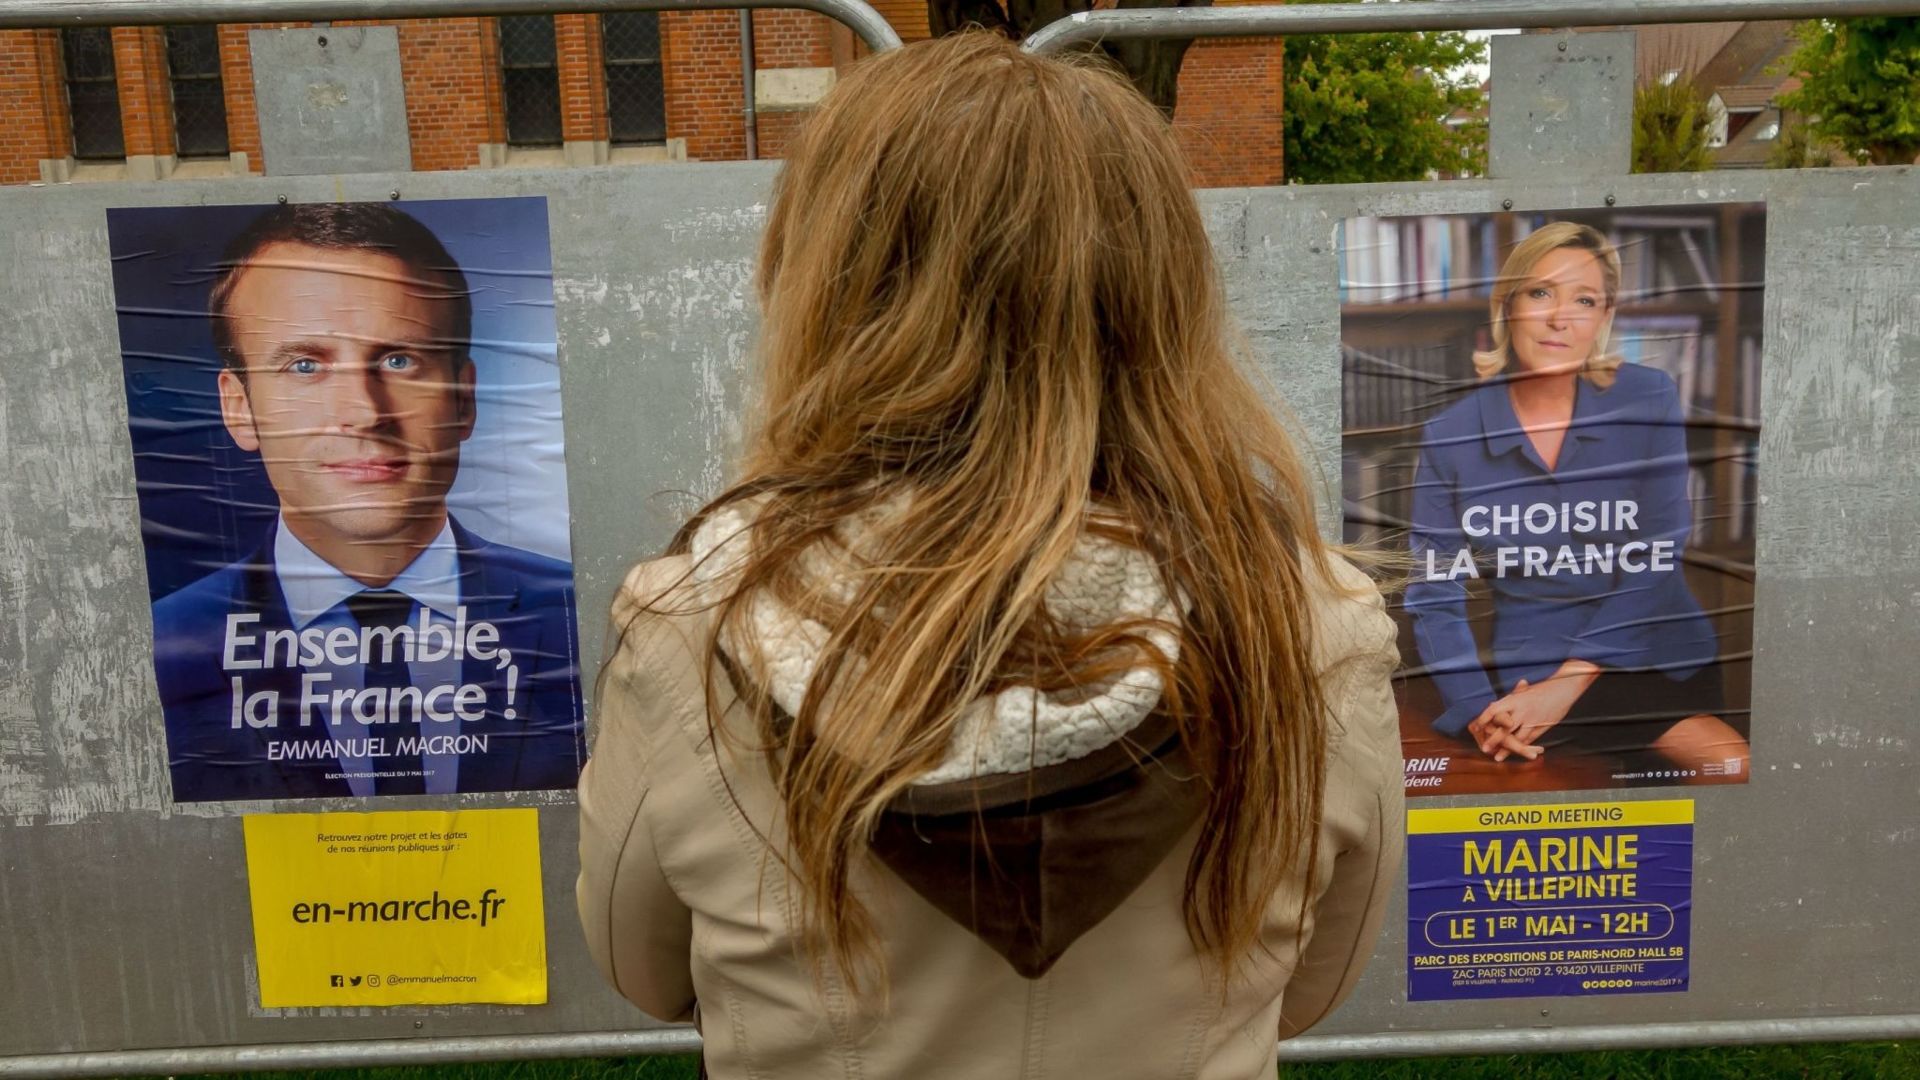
(860, 17)
(1271, 20)
(130, 945)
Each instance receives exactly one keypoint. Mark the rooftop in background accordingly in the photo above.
(1734, 65)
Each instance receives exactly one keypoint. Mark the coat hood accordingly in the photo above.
(1047, 809)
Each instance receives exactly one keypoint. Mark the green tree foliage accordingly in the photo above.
(1799, 148)
(1670, 122)
(1373, 107)
(1860, 85)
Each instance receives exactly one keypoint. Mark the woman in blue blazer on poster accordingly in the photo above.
(1561, 482)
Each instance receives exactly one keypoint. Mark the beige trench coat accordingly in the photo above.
(680, 901)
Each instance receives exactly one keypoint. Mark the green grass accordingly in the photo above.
(1824, 1061)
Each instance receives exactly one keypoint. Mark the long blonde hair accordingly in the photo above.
(990, 301)
(1602, 364)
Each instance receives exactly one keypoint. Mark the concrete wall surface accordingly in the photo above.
(125, 915)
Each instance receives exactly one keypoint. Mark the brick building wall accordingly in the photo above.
(33, 115)
(451, 72)
(146, 97)
(785, 38)
(236, 86)
(583, 83)
(1228, 118)
(700, 61)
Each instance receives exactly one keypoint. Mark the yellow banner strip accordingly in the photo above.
(1479, 819)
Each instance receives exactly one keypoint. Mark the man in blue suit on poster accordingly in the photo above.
(371, 645)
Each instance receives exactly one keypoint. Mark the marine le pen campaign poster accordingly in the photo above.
(1554, 417)
(1549, 901)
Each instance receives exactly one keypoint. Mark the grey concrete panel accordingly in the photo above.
(1562, 106)
(126, 916)
(330, 100)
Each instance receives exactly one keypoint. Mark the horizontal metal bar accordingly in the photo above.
(1280, 20)
(858, 15)
(421, 1051)
(356, 1054)
(1562, 1040)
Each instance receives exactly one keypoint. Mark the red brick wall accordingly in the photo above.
(451, 73)
(1228, 117)
(493, 82)
(33, 104)
(785, 38)
(700, 62)
(583, 82)
(700, 52)
(776, 132)
(58, 140)
(146, 99)
(236, 84)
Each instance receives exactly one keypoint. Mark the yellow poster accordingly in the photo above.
(410, 907)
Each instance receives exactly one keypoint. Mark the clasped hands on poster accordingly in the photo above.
(1514, 724)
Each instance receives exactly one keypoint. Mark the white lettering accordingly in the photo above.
(312, 694)
(229, 659)
(343, 646)
(1467, 521)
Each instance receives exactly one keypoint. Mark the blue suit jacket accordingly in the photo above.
(1626, 443)
(528, 597)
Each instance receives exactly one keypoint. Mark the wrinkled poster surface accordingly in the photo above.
(347, 444)
(1552, 419)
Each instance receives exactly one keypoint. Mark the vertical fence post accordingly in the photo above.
(1562, 106)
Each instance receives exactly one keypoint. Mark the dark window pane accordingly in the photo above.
(527, 41)
(89, 52)
(636, 103)
(636, 92)
(199, 102)
(193, 50)
(630, 35)
(531, 80)
(200, 118)
(93, 94)
(533, 107)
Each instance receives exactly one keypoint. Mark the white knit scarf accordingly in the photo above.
(1015, 730)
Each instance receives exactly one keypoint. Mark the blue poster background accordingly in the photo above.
(1482, 924)
(204, 502)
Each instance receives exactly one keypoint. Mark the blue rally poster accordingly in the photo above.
(1554, 416)
(348, 453)
(1549, 901)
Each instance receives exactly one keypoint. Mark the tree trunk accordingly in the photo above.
(1152, 66)
(950, 16)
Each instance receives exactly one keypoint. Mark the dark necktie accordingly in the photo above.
(388, 670)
